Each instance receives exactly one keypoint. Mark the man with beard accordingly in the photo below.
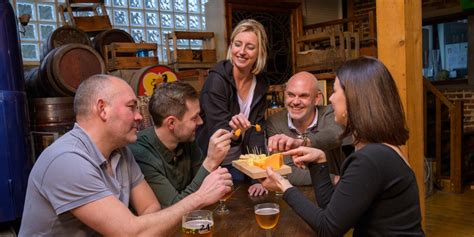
(305, 123)
(84, 183)
(167, 154)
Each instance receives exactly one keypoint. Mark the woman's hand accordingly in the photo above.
(239, 121)
(302, 155)
(275, 182)
(257, 190)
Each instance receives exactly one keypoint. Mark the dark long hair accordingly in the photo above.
(374, 109)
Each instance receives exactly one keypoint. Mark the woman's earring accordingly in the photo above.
(344, 115)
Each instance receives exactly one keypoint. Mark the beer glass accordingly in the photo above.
(267, 215)
(222, 208)
(198, 223)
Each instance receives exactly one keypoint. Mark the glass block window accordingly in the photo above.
(147, 20)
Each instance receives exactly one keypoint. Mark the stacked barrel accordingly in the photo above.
(14, 135)
(67, 59)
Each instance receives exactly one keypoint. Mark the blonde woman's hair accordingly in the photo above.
(251, 25)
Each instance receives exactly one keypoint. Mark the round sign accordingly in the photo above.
(146, 79)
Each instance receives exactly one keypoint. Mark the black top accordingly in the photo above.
(377, 196)
(219, 102)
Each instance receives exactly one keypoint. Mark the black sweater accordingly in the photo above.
(219, 102)
(377, 196)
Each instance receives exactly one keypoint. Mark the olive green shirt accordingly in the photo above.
(172, 175)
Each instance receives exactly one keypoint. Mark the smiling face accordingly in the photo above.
(185, 128)
(244, 49)
(301, 97)
(338, 101)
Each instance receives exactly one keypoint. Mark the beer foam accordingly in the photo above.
(267, 211)
(198, 224)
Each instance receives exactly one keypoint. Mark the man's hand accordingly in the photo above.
(282, 142)
(215, 186)
(257, 190)
(219, 145)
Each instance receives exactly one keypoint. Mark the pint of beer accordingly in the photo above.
(267, 215)
(198, 223)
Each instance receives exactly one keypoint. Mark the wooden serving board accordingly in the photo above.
(257, 172)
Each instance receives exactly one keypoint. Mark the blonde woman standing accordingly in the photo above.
(233, 96)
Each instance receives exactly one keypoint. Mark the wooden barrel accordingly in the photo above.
(33, 86)
(50, 118)
(62, 36)
(144, 81)
(65, 67)
(110, 36)
(125, 74)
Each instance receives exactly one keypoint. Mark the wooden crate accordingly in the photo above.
(325, 51)
(360, 26)
(99, 21)
(195, 77)
(115, 62)
(191, 58)
(318, 60)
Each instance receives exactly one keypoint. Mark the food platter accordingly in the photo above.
(255, 172)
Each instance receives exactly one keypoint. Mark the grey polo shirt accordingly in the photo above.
(68, 174)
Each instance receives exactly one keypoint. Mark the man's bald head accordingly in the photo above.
(306, 78)
(93, 88)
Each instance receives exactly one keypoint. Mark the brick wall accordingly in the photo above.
(467, 96)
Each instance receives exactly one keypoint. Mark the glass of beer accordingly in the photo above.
(222, 208)
(198, 223)
(267, 215)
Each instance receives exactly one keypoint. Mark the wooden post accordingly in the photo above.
(438, 129)
(470, 52)
(399, 47)
(455, 147)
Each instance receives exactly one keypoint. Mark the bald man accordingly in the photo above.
(84, 183)
(305, 123)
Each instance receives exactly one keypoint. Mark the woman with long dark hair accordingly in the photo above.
(377, 194)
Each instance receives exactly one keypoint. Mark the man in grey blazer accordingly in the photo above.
(305, 123)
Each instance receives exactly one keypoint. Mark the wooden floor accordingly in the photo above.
(449, 214)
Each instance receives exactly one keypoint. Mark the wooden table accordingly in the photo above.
(241, 219)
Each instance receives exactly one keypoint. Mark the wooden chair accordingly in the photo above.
(99, 21)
